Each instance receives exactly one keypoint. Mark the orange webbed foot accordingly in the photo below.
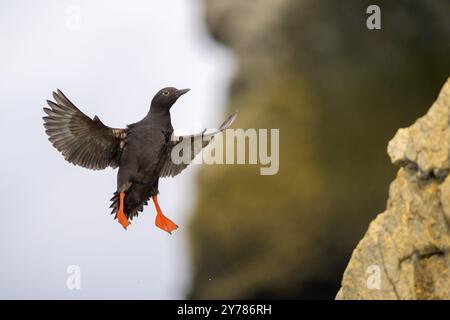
(123, 220)
(165, 223)
(121, 216)
(161, 220)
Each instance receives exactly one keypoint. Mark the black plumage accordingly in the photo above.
(141, 151)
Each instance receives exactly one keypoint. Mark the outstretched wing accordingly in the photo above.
(194, 142)
(81, 140)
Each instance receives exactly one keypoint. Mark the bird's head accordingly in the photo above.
(166, 97)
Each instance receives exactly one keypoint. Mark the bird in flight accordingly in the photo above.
(141, 151)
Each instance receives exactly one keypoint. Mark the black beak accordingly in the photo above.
(181, 92)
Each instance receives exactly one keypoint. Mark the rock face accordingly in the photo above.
(405, 253)
(314, 71)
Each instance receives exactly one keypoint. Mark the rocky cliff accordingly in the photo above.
(338, 92)
(405, 254)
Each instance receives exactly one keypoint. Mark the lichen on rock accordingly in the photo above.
(405, 253)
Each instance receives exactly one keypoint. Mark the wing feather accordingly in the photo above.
(196, 142)
(81, 140)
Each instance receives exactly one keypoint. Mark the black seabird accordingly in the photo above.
(142, 151)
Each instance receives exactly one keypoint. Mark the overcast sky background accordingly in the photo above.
(55, 214)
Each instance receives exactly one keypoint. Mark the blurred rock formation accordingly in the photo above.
(338, 92)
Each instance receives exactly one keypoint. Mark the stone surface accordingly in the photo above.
(337, 92)
(405, 253)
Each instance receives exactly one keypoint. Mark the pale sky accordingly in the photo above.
(55, 214)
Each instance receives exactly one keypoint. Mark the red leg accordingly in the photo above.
(121, 216)
(161, 220)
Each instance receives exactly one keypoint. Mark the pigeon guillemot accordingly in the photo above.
(142, 151)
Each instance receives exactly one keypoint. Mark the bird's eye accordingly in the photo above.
(166, 93)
